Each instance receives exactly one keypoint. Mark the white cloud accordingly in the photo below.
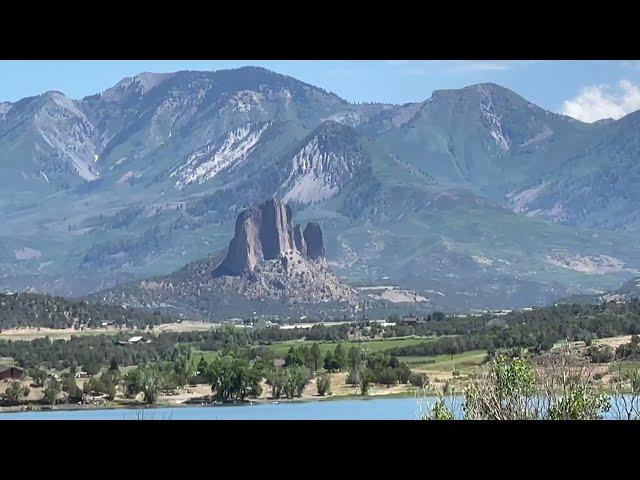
(396, 62)
(603, 101)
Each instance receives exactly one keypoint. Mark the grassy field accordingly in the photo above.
(463, 362)
(67, 333)
(54, 334)
(372, 346)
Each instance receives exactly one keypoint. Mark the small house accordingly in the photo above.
(134, 340)
(11, 373)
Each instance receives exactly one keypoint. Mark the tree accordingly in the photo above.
(113, 365)
(626, 392)
(558, 389)
(419, 380)
(233, 378)
(15, 392)
(331, 364)
(316, 356)
(354, 359)
(69, 385)
(340, 356)
(92, 366)
(365, 381)
(51, 391)
(295, 356)
(504, 393)
(150, 385)
(323, 385)
(388, 377)
(295, 379)
(440, 411)
(403, 372)
(275, 379)
(203, 366)
(39, 376)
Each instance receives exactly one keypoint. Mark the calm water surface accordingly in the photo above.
(374, 409)
(371, 409)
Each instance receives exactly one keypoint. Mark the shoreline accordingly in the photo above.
(246, 403)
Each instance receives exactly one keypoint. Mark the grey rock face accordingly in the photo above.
(314, 241)
(276, 229)
(262, 233)
(245, 249)
(298, 237)
(266, 232)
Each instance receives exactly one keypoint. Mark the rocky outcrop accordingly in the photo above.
(276, 229)
(268, 261)
(314, 241)
(264, 233)
(298, 239)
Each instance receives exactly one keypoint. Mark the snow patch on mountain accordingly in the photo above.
(204, 164)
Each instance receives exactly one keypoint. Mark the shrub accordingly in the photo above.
(419, 379)
(324, 385)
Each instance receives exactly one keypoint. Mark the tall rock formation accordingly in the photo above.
(266, 232)
(314, 241)
(298, 238)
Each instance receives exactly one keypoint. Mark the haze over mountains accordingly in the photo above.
(473, 198)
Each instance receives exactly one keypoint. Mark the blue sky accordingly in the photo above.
(588, 90)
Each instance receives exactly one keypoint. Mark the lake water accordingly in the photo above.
(366, 409)
(372, 409)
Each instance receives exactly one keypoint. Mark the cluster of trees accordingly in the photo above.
(135, 249)
(14, 394)
(363, 368)
(232, 378)
(538, 329)
(288, 381)
(34, 310)
(601, 354)
(378, 367)
(216, 201)
(629, 351)
(92, 352)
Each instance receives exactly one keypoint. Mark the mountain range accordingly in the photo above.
(473, 198)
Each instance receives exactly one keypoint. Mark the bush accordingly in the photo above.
(324, 385)
(601, 355)
(388, 377)
(419, 379)
(14, 393)
(353, 378)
